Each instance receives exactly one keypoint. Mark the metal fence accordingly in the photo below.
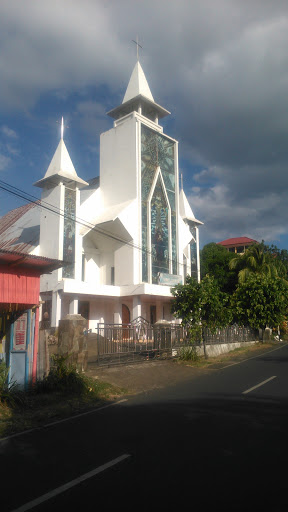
(141, 341)
(138, 341)
(230, 334)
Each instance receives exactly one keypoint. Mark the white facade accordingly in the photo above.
(128, 236)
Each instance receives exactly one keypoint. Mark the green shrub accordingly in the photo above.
(9, 392)
(65, 378)
(189, 353)
(4, 390)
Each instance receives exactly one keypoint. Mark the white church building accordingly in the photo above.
(126, 236)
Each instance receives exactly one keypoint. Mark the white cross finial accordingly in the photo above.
(62, 127)
(137, 45)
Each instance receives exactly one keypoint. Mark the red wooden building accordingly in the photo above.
(19, 311)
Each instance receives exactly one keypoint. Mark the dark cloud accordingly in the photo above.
(220, 66)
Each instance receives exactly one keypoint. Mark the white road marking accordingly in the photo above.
(64, 419)
(248, 358)
(258, 385)
(65, 487)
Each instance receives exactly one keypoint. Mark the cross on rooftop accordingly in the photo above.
(62, 127)
(138, 45)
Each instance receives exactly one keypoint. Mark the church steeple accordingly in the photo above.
(61, 168)
(138, 98)
(137, 85)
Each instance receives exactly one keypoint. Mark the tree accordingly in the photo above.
(280, 258)
(260, 301)
(214, 261)
(255, 260)
(201, 304)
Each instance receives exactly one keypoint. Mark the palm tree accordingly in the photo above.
(255, 260)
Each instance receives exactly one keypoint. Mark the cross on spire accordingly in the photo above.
(137, 45)
(62, 127)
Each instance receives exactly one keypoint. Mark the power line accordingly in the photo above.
(30, 198)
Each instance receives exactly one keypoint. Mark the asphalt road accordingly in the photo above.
(219, 440)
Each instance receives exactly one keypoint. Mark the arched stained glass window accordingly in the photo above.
(159, 232)
(160, 211)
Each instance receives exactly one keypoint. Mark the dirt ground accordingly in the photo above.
(144, 377)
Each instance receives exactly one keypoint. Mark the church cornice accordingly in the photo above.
(134, 104)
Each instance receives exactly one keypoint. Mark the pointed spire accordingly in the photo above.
(185, 210)
(138, 85)
(61, 167)
(138, 97)
(61, 161)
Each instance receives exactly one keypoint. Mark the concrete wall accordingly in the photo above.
(118, 160)
(221, 348)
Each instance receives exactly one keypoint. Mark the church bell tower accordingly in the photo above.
(138, 162)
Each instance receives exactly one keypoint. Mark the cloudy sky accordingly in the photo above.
(219, 66)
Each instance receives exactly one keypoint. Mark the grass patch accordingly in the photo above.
(61, 394)
(234, 355)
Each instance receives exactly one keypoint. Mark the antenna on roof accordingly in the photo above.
(181, 181)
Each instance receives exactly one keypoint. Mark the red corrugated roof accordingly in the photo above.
(8, 221)
(11, 217)
(242, 240)
(41, 263)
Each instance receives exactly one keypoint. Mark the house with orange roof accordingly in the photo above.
(238, 245)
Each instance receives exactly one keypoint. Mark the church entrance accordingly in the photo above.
(125, 315)
(83, 309)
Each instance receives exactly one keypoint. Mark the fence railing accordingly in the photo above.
(139, 341)
(230, 334)
(113, 343)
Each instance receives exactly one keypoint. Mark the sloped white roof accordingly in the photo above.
(61, 165)
(186, 210)
(61, 162)
(110, 214)
(137, 85)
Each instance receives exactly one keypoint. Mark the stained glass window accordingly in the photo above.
(69, 233)
(158, 151)
(193, 253)
(159, 232)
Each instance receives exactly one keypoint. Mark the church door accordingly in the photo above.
(125, 315)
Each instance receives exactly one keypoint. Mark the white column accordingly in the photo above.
(118, 312)
(56, 309)
(73, 307)
(198, 255)
(136, 307)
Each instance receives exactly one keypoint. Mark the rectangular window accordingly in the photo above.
(83, 266)
(152, 314)
(69, 233)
